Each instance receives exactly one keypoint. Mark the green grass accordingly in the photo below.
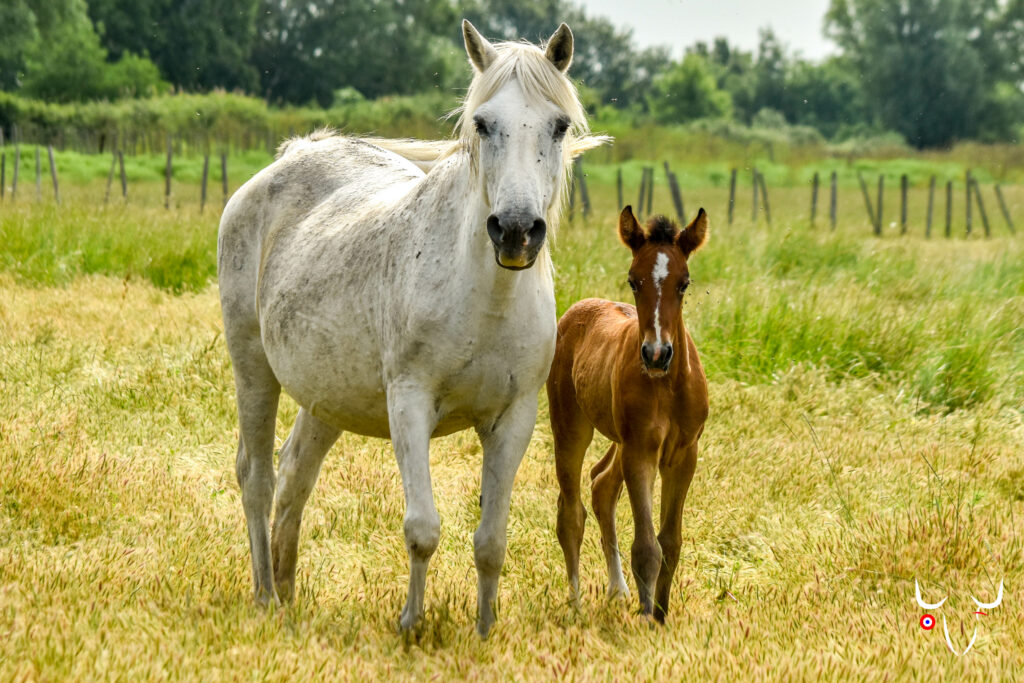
(865, 432)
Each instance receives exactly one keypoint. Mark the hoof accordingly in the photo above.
(483, 629)
(618, 592)
(407, 621)
(266, 599)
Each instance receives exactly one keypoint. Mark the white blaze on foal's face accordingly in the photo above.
(658, 275)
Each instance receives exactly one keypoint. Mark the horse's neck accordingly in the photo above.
(453, 199)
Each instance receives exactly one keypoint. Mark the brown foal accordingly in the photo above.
(651, 407)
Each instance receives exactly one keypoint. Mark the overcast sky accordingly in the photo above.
(679, 23)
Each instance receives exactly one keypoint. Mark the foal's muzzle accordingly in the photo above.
(517, 239)
(656, 356)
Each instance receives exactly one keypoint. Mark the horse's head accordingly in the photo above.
(659, 277)
(522, 122)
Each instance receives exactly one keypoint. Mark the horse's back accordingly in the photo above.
(311, 174)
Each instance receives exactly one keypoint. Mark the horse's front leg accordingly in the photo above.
(412, 420)
(504, 442)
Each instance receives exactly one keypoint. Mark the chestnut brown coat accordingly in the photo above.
(633, 374)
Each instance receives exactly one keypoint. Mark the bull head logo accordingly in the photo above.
(928, 621)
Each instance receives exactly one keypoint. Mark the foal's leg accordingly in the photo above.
(639, 468)
(572, 434)
(675, 482)
(258, 392)
(605, 491)
(412, 417)
(299, 466)
(504, 444)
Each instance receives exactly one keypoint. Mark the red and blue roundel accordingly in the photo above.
(927, 622)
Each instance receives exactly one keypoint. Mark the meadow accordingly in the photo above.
(865, 431)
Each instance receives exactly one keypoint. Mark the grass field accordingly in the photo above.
(865, 431)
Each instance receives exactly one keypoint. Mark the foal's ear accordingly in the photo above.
(630, 232)
(559, 48)
(695, 235)
(481, 52)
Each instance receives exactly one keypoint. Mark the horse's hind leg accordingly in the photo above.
(572, 434)
(299, 466)
(605, 491)
(258, 392)
(675, 482)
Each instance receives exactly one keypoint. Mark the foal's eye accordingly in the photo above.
(682, 286)
(481, 127)
(561, 126)
(632, 285)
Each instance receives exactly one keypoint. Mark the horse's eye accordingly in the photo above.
(561, 125)
(481, 127)
(632, 285)
(682, 286)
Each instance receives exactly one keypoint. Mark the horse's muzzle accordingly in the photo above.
(517, 239)
(656, 357)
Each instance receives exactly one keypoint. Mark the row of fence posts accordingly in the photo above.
(17, 166)
(116, 163)
(972, 194)
(759, 199)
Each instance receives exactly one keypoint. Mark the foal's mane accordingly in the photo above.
(661, 230)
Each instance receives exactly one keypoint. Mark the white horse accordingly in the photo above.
(401, 304)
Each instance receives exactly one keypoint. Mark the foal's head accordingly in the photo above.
(659, 277)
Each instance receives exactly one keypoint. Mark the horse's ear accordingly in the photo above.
(559, 48)
(481, 52)
(695, 235)
(630, 232)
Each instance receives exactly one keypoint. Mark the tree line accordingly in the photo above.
(933, 71)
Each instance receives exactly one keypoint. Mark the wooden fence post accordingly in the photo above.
(968, 198)
(903, 203)
(949, 209)
(572, 197)
(867, 198)
(764, 196)
(1005, 210)
(110, 176)
(224, 175)
(732, 194)
(39, 176)
(931, 206)
(618, 188)
(643, 193)
(53, 173)
(584, 195)
(833, 206)
(650, 190)
(124, 178)
(677, 195)
(167, 173)
(981, 208)
(753, 207)
(878, 212)
(814, 198)
(17, 165)
(206, 177)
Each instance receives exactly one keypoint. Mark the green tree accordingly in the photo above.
(197, 44)
(307, 49)
(930, 69)
(688, 91)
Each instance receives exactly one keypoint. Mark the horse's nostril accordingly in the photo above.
(538, 230)
(494, 229)
(666, 355)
